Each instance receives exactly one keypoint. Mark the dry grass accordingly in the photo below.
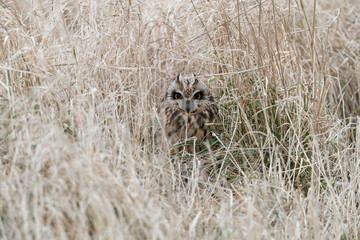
(79, 84)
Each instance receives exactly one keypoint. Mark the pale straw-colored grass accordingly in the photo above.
(80, 83)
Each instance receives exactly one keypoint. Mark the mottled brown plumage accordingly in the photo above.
(188, 111)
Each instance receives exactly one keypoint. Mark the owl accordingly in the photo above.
(188, 113)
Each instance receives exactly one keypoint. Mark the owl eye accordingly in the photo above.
(198, 95)
(177, 95)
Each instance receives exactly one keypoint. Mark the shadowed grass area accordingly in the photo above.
(80, 83)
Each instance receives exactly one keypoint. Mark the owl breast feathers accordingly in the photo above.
(188, 111)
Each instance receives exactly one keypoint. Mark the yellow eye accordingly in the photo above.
(198, 95)
(177, 96)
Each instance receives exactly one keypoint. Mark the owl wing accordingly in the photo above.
(212, 117)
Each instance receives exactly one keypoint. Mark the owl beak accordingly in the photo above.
(187, 106)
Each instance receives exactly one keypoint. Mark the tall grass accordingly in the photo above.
(80, 84)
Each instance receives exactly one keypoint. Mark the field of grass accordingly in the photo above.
(80, 82)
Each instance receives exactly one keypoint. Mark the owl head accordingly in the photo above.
(188, 94)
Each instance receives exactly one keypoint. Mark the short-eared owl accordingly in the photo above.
(188, 111)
